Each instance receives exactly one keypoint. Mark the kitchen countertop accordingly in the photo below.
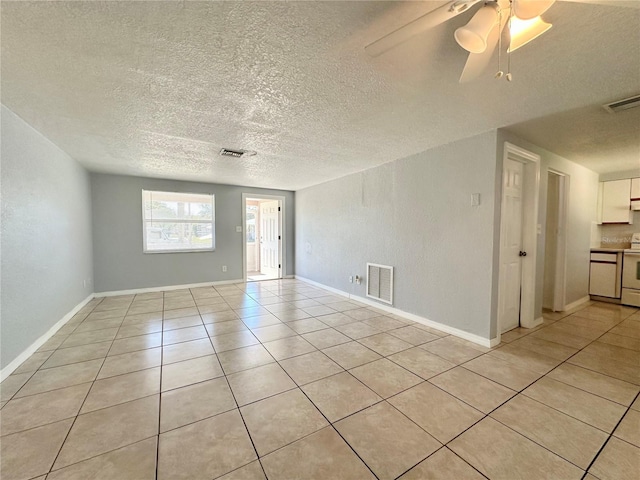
(607, 249)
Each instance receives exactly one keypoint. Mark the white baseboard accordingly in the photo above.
(577, 303)
(168, 287)
(326, 287)
(19, 360)
(532, 323)
(485, 342)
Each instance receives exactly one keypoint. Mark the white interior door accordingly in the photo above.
(269, 238)
(511, 240)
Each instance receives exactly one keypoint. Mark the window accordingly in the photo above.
(252, 211)
(177, 222)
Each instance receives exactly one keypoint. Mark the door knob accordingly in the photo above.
(522, 254)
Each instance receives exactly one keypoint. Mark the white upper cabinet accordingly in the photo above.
(616, 201)
(635, 194)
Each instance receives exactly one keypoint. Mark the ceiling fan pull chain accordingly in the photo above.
(509, 77)
(499, 73)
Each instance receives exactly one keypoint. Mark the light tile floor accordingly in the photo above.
(284, 380)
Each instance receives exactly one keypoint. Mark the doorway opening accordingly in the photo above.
(518, 239)
(263, 217)
(553, 292)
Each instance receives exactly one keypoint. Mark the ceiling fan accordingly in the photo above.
(483, 34)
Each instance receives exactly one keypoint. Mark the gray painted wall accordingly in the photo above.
(416, 215)
(46, 235)
(119, 262)
(583, 199)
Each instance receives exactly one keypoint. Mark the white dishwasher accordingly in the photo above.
(604, 275)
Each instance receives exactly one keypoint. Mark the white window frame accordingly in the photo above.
(174, 220)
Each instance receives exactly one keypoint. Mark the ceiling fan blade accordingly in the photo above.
(527, 9)
(419, 25)
(477, 62)
(610, 3)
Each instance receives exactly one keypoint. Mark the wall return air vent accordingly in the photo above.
(624, 104)
(380, 282)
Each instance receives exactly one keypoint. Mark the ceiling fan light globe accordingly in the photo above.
(473, 36)
(527, 9)
(524, 31)
(470, 40)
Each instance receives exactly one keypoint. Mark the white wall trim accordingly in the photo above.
(560, 280)
(577, 303)
(485, 342)
(331, 289)
(536, 322)
(168, 287)
(30, 350)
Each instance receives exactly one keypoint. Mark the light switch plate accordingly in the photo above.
(475, 199)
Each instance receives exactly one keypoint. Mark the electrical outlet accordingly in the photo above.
(350, 278)
(224, 268)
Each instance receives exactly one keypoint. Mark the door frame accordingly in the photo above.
(560, 274)
(281, 231)
(530, 226)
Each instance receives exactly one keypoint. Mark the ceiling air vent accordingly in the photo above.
(625, 104)
(227, 152)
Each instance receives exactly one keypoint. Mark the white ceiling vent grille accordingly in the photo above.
(624, 104)
(380, 282)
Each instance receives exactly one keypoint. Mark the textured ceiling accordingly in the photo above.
(157, 88)
(602, 141)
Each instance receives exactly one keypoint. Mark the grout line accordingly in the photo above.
(53, 389)
(160, 391)
(233, 395)
(52, 352)
(75, 419)
(521, 392)
(309, 399)
(330, 424)
(610, 436)
(96, 456)
(201, 419)
(433, 453)
(344, 370)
